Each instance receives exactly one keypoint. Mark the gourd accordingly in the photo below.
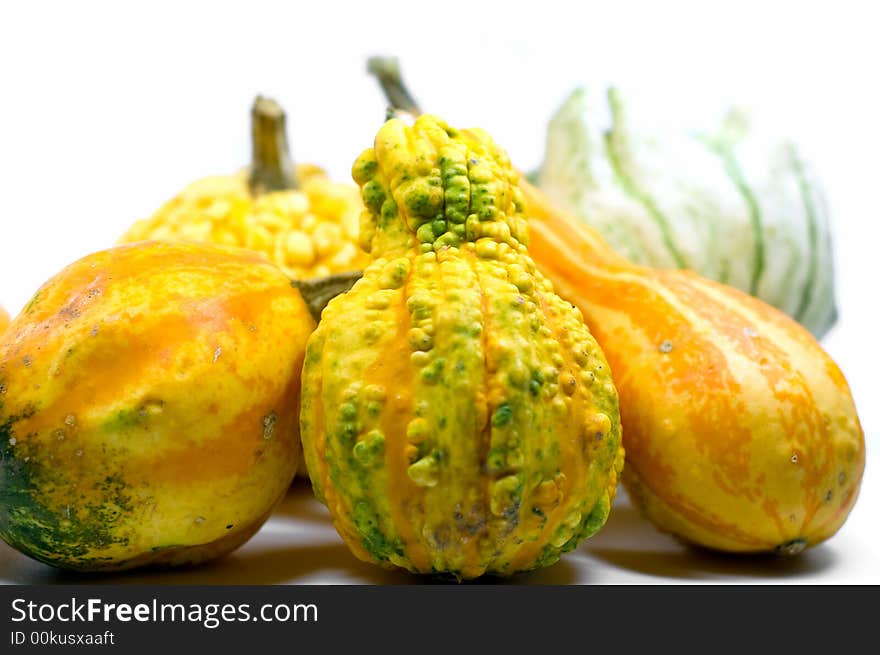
(4, 320)
(457, 416)
(741, 433)
(149, 401)
(298, 218)
(733, 203)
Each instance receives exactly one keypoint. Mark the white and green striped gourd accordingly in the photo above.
(735, 206)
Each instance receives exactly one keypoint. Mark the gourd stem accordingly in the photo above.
(317, 292)
(387, 71)
(271, 166)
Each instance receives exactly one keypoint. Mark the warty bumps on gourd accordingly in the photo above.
(457, 415)
(298, 218)
(148, 406)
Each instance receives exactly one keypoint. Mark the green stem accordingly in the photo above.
(318, 292)
(387, 71)
(271, 166)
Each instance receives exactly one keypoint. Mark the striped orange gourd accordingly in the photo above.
(740, 431)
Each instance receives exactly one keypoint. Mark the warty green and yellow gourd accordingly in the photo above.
(457, 415)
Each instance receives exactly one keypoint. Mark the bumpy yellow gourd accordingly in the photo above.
(148, 406)
(457, 416)
(741, 433)
(295, 216)
(298, 218)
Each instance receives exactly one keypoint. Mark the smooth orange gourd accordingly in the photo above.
(149, 396)
(740, 432)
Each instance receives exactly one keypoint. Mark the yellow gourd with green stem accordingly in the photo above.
(299, 219)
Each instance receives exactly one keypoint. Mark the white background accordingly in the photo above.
(107, 110)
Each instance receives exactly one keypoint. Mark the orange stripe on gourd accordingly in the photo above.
(740, 431)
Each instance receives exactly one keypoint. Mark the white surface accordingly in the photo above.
(107, 110)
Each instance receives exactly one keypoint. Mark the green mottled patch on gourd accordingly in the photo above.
(597, 518)
(501, 416)
(373, 539)
(549, 555)
(369, 452)
(54, 535)
(373, 195)
(133, 417)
